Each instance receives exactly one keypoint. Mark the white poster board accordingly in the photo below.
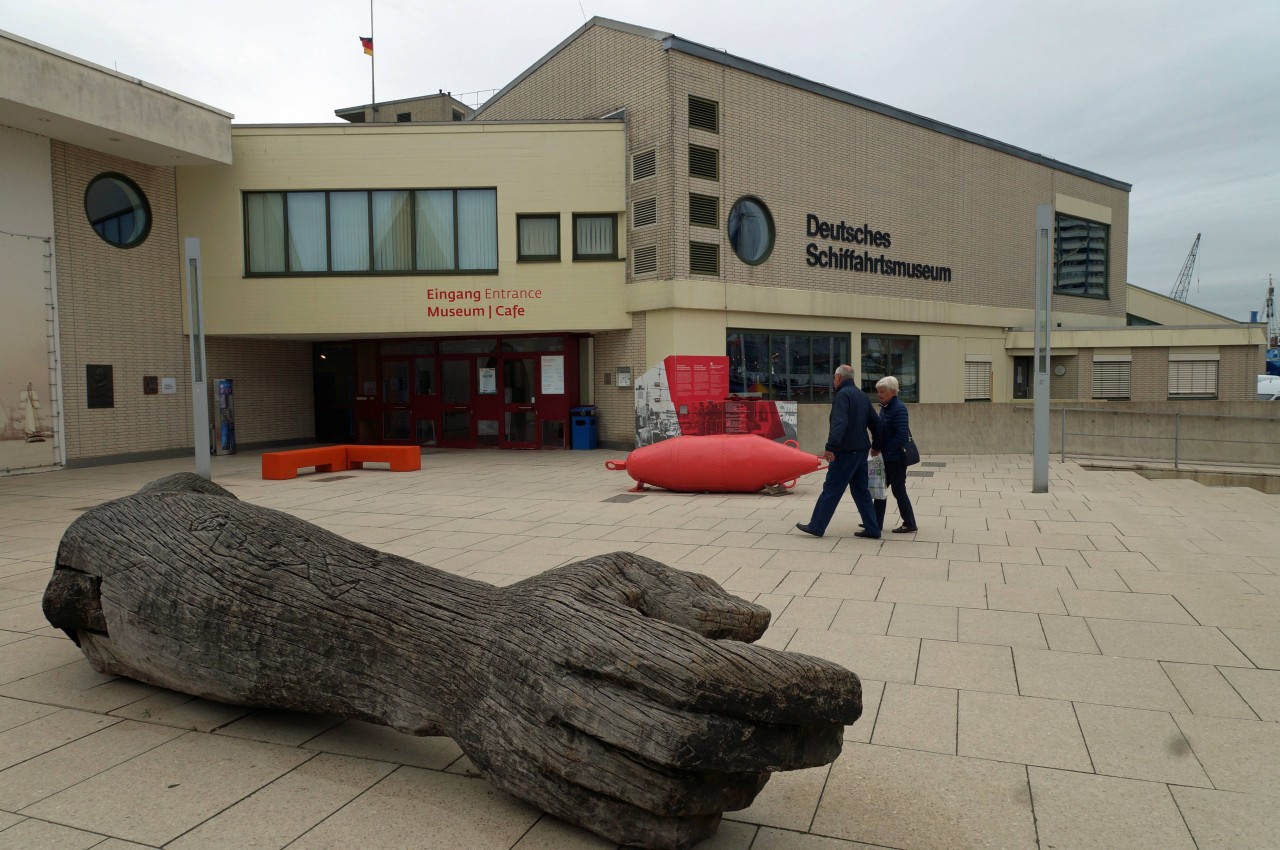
(553, 374)
(488, 381)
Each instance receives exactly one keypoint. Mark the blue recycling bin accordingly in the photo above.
(584, 432)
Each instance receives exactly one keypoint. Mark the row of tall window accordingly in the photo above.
(403, 231)
(794, 366)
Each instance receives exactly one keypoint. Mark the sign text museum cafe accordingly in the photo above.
(451, 277)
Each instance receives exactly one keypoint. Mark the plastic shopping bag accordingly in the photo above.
(875, 477)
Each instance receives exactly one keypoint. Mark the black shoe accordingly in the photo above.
(866, 535)
(905, 529)
(807, 530)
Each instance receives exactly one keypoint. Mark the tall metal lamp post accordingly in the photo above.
(1044, 296)
(199, 381)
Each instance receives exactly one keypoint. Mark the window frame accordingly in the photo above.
(370, 271)
(578, 256)
(818, 388)
(769, 227)
(1177, 365)
(521, 257)
(1058, 259)
(143, 208)
(908, 395)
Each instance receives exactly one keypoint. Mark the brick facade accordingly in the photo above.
(1149, 375)
(616, 406)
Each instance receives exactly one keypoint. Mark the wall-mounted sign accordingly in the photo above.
(855, 260)
(624, 376)
(168, 386)
(482, 303)
(553, 374)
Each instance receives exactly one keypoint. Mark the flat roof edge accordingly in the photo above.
(710, 54)
(396, 126)
(35, 45)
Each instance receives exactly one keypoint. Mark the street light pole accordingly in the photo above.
(1044, 295)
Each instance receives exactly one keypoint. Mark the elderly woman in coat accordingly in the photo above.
(894, 435)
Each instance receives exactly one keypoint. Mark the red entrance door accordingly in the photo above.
(519, 402)
(457, 394)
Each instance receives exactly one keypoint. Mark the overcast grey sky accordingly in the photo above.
(1179, 98)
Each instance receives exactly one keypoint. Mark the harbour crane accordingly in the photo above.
(1184, 280)
(1273, 321)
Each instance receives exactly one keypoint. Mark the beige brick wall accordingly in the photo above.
(1238, 370)
(121, 308)
(944, 201)
(1149, 374)
(274, 393)
(616, 406)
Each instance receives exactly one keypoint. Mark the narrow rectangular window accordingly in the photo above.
(595, 236)
(704, 114)
(538, 237)
(704, 258)
(392, 231)
(704, 162)
(308, 251)
(349, 231)
(264, 226)
(704, 210)
(977, 382)
(1111, 380)
(887, 354)
(435, 242)
(1192, 379)
(1080, 257)
(478, 229)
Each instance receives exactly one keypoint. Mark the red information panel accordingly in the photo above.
(700, 394)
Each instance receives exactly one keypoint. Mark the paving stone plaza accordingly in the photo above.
(1096, 667)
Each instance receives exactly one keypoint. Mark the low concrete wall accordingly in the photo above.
(1242, 432)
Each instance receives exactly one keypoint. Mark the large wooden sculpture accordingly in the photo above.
(615, 693)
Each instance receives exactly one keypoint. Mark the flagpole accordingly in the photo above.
(373, 89)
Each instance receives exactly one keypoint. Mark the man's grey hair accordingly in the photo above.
(844, 371)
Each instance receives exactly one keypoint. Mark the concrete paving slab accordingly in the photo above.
(1125, 606)
(42, 776)
(1001, 628)
(427, 810)
(161, 794)
(366, 740)
(278, 813)
(1138, 744)
(1023, 730)
(1260, 689)
(1165, 642)
(924, 621)
(1086, 812)
(788, 801)
(1226, 820)
(925, 801)
(1206, 691)
(918, 718)
(1105, 680)
(1026, 598)
(966, 666)
(1238, 755)
(32, 834)
(881, 657)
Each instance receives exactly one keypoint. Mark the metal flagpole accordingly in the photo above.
(1040, 395)
(373, 89)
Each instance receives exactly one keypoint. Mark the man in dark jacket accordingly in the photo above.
(852, 420)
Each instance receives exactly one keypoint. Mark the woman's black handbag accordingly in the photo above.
(910, 454)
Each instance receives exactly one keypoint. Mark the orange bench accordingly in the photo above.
(280, 466)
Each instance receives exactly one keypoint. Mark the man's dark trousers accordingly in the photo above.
(849, 469)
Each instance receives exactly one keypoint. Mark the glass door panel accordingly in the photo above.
(457, 393)
(519, 397)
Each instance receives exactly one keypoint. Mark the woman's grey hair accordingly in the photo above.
(889, 383)
(845, 371)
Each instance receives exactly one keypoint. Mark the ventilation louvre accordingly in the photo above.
(644, 260)
(704, 258)
(704, 162)
(644, 212)
(704, 210)
(644, 164)
(704, 114)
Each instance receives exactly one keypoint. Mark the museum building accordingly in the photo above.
(469, 281)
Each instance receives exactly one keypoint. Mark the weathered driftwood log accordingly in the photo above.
(616, 693)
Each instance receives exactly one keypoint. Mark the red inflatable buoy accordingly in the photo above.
(718, 463)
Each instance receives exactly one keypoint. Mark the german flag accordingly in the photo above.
(366, 41)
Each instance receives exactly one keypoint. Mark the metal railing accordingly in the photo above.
(1183, 439)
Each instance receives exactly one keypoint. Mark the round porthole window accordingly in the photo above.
(117, 210)
(751, 230)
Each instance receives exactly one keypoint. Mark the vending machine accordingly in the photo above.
(224, 417)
